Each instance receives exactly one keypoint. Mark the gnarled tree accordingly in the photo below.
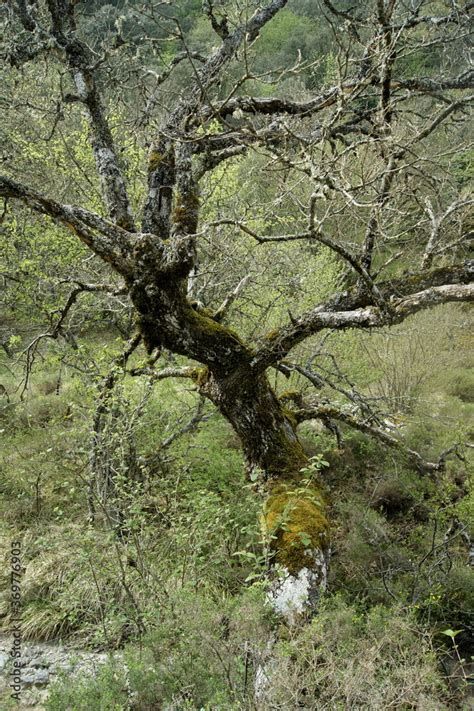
(358, 160)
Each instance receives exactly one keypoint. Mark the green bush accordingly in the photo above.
(107, 691)
(462, 385)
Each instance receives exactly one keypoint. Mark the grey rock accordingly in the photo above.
(43, 663)
(63, 666)
(40, 662)
(35, 677)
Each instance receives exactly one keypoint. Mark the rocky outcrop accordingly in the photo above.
(41, 664)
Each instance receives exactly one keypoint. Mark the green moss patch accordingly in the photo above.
(296, 521)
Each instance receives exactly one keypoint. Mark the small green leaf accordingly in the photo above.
(451, 633)
(305, 538)
(245, 554)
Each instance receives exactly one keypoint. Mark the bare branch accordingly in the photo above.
(314, 233)
(111, 289)
(221, 312)
(436, 223)
(161, 78)
(107, 240)
(325, 412)
(458, 16)
(56, 329)
(184, 372)
(190, 426)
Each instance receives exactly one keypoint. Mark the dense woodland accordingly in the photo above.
(235, 390)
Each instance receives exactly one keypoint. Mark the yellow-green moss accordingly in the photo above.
(185, 208)
(155, 158)
(180, 213)
(208, 326)
(289, 395)
(295, 520)
(287, 455)
(204, 311)
(200, 375)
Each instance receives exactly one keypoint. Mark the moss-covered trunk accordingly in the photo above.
(294, 514)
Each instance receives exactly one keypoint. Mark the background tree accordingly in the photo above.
(361, 174)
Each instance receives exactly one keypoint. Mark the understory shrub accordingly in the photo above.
(348, 660)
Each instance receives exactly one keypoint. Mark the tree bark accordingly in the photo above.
(294, 517)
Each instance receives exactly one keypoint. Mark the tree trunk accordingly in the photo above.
(294, 516)
(294, 512)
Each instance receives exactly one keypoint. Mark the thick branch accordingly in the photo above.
(276, 105)
(112, 181)
(80, 63)
(108, 241)
(359, 312)
(428, 85)
(161, 152)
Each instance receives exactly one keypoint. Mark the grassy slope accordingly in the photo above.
(191, 568)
